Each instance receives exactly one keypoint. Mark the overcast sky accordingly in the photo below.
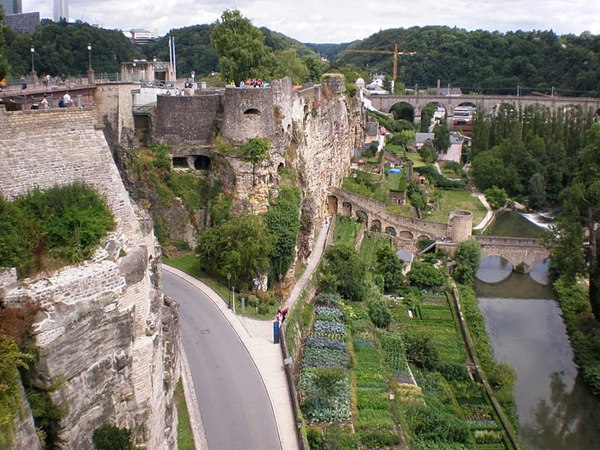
(336, 21)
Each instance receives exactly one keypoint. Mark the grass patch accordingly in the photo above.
(345, 230)
(416, 159)
(457, 200)
(400, 210)
(367, 185)
(369, 246)
(185, 438)
(396, 182)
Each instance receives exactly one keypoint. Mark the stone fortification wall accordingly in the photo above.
(314, 129)
(326, 129)
(114, 103)
(106, 332)
(187, 119)
(377, 210)
(248, 113)
(460, 225)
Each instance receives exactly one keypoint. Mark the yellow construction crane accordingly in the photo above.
(394, 54)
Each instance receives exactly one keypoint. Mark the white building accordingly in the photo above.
(61, 10)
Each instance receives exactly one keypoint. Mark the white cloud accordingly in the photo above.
(337, 21)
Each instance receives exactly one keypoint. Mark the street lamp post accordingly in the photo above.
(229, 289)
(90, 71)
(33, 75)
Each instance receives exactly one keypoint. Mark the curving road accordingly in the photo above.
(234, 404)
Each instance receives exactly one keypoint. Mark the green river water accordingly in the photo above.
(556, 410)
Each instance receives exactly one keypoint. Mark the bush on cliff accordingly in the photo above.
(111, 437)
(283, 222)
(44, 229)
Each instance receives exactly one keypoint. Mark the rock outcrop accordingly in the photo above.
(107, 339)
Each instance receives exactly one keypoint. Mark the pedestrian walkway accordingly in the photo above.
(488, 216)
(313, 261)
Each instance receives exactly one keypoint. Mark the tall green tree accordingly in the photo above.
(537, 191)
(441, 137)
(467, 256)
(347, 268)
(241, 48)
(240, 246)
(567, 260)
(283, 222)
(390, 266)
(289, 64)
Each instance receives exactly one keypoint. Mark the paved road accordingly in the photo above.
(233, 401)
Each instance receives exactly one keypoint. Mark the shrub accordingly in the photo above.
(436, 425)
(437, 179)
(454, 371)
(379, 314)
(256, 150)
(378, 438)
(64, 223)
(111, 437)
(421, 351)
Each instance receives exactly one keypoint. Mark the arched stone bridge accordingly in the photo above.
(485, 103)
(522, 253)
(372, 213)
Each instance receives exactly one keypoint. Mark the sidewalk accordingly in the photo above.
(257, 337)
(313, 261)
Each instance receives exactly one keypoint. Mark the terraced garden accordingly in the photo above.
(402, 386)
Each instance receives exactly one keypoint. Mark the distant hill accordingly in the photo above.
(475, 61)
(484, 61)
(328, 51)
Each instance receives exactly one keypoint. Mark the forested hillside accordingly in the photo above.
(486, 62)
(62, 48)
(476, 61)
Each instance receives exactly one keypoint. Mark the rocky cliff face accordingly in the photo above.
(313, 130)
(106, 337)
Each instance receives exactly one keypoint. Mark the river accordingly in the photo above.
(524, 324)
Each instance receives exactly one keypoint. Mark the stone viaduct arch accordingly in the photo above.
(522, 253)
(483, 102)
(373, 214)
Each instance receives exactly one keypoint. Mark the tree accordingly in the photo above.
(3, 59)
(428, 153)
(488, 169)
(537, 190)
(425, 275)
(289, 64)
(441, 137)
(283, 222)
(345, 264)
(567, 260)
(390, 266)
(240, 47)
(496, 197)
(467, 256)
(240, 246)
